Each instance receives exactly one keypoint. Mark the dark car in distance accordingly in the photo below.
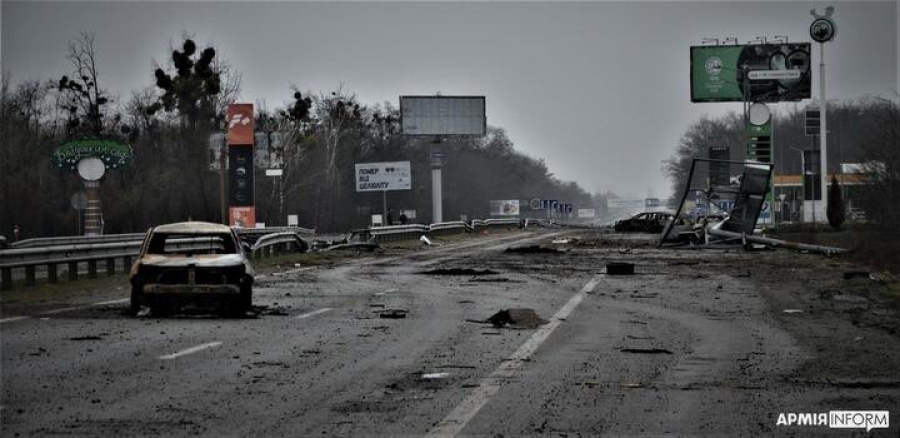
(647, 222)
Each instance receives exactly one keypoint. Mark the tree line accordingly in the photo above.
(169, 124)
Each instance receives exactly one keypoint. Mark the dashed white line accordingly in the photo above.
(13, 318)
(454, 423)
(386, 292)
(65, 309)
(314, 313)
(191, 350)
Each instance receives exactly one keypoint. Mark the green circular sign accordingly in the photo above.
(113, 153)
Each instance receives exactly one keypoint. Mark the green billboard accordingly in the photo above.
(754, 72)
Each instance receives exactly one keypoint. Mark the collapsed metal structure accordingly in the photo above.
(726, 206)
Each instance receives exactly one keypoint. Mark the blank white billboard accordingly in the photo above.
(443, 115)
(377, 177)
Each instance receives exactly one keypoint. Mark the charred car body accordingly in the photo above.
(192, 262)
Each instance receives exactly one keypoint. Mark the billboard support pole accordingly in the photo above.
(437, 213)
(223, 202)
(384, 206)
(823, 128)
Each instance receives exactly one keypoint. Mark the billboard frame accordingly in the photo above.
(415, 96)
(807, 77)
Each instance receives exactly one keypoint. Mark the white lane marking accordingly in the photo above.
(386, 292)
(106, 303)
(314, 313)
(64, 309)
(190, 350)
(454, 423)
(13, 318)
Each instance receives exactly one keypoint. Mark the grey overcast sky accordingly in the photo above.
(600, 90)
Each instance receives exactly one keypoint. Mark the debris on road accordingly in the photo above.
(86, 338)
(646, 350)
(853, 274)
(793, 311)
(630, 385)
(495, 280)
(515, 318)
(619, 268)
(460, 271)
(430, 376)
(393, 313)
(532, 249)
(359, 246)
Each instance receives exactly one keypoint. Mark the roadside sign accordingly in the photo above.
(586, 213)
(293, 220)
(274, 172)
(774, 75)
(377, 177)
(535, 204)
(625, 203)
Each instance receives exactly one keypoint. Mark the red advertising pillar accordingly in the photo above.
(241, 208)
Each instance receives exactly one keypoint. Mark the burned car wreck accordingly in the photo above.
(195, 263)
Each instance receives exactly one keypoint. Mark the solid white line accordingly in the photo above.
(106, 303)
(64, 309)
(454, 423)
(13, 318)
(314, 313)
(190, 350)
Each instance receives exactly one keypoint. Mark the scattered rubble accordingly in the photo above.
(515, 318)
(392, 313)
(619, 268)
(460, 271)
(646, 350)
(86, 338)
(532, 249)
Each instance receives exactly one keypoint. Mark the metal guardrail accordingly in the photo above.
(501, 222)
(269, 242)
(398, 232)
(448, 227)
(129, 237)
(109, 248)
(76, 240)
(75, 250)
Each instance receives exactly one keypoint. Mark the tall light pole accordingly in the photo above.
(823, 30)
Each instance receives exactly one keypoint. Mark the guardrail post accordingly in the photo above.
(110, 266)
(92, 269)
(73, 271)
(126, 263)
(6, 276)
(51, 273)
(29, 276)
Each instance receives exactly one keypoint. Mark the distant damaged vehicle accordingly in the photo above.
(192, 262)
(648, 222)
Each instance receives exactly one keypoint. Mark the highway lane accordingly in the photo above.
(689, 345)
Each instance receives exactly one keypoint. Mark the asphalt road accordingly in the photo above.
(695, 343)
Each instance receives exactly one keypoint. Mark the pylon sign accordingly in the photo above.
(241, 206)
